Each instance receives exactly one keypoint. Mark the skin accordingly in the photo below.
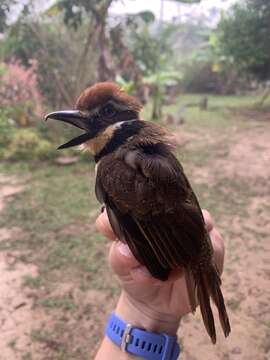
(146, 302)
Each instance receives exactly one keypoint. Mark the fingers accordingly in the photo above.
(209, 223)
(103, 226)
(141, 274)
(121, 259)
(217, 240)
(219, 249)
(125, 265)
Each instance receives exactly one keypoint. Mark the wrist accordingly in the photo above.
(140, 316)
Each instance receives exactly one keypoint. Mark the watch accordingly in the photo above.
(136, 341)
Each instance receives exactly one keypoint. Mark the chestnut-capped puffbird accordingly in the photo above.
(149, 201)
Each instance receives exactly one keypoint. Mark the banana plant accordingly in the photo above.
(159, 83)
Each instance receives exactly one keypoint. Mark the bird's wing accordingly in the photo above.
(151, 208)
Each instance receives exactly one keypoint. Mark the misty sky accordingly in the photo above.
(171, 9)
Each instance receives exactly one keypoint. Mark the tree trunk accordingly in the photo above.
(105, 66)
(157, 105)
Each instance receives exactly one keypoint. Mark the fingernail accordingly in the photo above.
(142, 270)
(124, 249)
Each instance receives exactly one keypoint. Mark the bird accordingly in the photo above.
(150, 203)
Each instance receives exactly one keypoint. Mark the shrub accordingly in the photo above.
(19, 92)
(27, 144)
(6, 130)
(199, 78)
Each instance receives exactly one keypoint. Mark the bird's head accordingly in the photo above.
(99, 111)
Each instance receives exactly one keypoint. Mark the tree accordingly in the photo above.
(75, 13)
(244, 37)
(67, 59)
(76, 44)
(5, 7)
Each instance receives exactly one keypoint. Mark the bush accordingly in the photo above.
(208, 77)
(199, 78)
(19, 92)
(27, 144)
(6, 131)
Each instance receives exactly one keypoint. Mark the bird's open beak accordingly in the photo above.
(78, 119)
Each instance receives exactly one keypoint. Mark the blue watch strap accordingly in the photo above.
(151, 346)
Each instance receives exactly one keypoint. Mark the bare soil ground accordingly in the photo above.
(238, 172)
(246, 280)
(16, 316)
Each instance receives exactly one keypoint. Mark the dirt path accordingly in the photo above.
(15, 305)
(246, 280)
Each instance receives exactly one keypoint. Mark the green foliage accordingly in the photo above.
(244, 37)
(146, 16)
(74, 11)
(20, 43)
(57, 50)
(27, 144)
(127, 86)
(153, 52)
(164, 78)
(206, 69)
(6, 130)
(199, 77)
(160, 81)
(135, 20)
(152, 47)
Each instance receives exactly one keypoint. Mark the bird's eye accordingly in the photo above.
(108, 110)
(95, 117)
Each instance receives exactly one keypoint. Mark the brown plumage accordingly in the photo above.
(150, 203)
(97, 95)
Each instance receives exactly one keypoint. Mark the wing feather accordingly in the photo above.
(149, 208)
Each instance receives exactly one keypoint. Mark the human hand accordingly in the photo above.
(145, 301)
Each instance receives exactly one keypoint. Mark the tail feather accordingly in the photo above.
(191, 286)
(208, 285)
(217, 297)
(205, 307)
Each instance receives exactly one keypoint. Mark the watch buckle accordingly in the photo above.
(126, 337)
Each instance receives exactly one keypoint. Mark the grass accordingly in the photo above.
(234, 303)
(43, 198)
(57, 210)
(12, 343)
(57, 214)
(221, 114)
(32, 282)
(54, 302)
(40, 335)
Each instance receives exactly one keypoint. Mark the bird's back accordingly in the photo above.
(145, 184)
